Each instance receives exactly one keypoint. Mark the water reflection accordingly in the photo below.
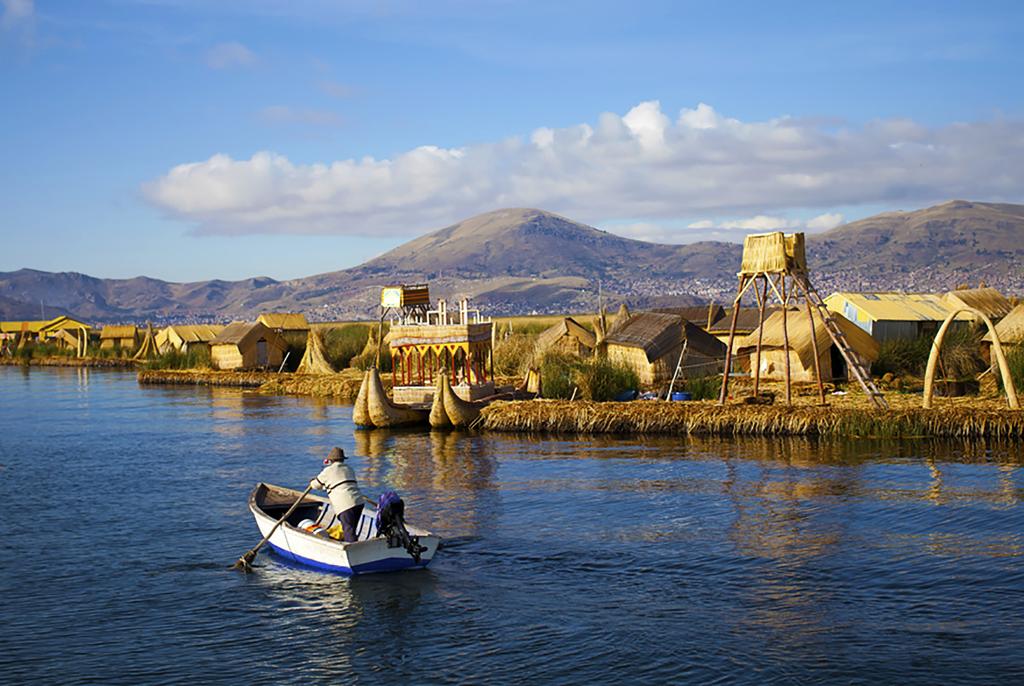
(456, 470)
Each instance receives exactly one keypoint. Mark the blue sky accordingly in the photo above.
(188, 140)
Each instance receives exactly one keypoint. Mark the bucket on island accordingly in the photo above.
(681, 395)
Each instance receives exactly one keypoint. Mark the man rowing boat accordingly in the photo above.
(339, 480)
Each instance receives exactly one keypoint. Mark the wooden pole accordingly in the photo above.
(732, 334)
(762, 297)
(814, 341)
(785, 340)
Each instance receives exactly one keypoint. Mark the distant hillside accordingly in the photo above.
(18, 309)
(930, 249)
(516, 261)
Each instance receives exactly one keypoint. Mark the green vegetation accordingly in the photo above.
(592, 379)
(960, 357)
(344, 343)
(703, 387)
(556, 374)
(903, 356)
(601, 380)
(514, 354)
(961, 354)
(1015, 360)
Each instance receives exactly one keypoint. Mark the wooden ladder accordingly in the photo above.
(853, 363)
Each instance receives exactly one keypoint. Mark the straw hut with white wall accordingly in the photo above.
(247, 345)
(801, 347)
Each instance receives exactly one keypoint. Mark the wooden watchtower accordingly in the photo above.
(777, 263)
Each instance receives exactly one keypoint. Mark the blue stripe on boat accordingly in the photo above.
(391, 564)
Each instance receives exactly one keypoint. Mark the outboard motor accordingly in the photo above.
(391, 525)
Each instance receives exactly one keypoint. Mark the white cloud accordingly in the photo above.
(824, 222)
(281, 114)
(638, 167)
(18, 19)
(335, 89)
(227, 55)
(759, 223)
(16, 11)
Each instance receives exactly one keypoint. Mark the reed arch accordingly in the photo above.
(997, 351)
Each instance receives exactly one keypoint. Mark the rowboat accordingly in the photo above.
(310, 545)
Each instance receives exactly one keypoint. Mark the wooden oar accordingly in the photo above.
(244, 563)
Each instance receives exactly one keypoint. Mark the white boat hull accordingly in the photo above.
(368, 555)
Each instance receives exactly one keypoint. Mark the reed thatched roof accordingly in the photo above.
(1011, 328)
(800, 340)
(125, 331)
(63, 323)
(17, 327)
(284, 321)
(192, 333)
(658, 333)
(703, 316)
(566, 327)
(243, 334)
(773, 252)
(746, 320)
(988, 301)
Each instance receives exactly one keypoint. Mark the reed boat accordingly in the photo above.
(371, 553)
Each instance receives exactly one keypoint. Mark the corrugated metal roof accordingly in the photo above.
(894, 307)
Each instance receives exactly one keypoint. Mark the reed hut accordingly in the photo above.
(247, 345)
(988, 301)
(747, 321)
(187, 338)
(285, 322)
(51, 328)
(889, 316)
(1010, 331)
(650, 343)
(40, 330)
(567, 336)
(125, 337)
(801, 347)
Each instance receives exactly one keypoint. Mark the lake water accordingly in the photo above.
(566, 561)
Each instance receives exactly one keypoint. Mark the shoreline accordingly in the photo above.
(659, 417)
(343, 386)
(108, 362)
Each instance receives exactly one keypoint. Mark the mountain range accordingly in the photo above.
(516, 261)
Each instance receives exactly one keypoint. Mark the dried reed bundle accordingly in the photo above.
(659, 417)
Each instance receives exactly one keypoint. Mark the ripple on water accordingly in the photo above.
(644, 560)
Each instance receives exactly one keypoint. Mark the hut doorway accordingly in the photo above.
(838, 364)
(262, 358)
